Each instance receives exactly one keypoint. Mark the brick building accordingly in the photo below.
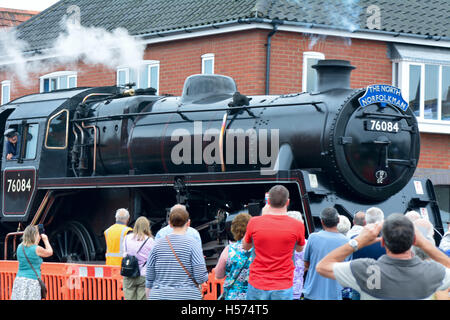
(267, 46)
(13, 17)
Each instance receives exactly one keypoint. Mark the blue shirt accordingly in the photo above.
(12, 148)
(318, 246)
(373, 251)
(168, 230)
(25, 270)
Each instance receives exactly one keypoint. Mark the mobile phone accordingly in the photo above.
(41, 228)
(267, 198)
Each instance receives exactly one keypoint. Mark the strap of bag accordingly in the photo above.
(30, 262)
(181, 264)
(142, 245)
(243, 266)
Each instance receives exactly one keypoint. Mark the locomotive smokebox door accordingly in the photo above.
(18, 190)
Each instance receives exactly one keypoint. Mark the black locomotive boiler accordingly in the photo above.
(87, 151)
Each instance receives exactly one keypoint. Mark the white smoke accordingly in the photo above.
(343, 14)
(11, 51)
(97, 46)
(89, 45)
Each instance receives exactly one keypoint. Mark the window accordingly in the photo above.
(56, 136)
(427, 89)
(6, 91)
(146, 76)
(423, 75)
(32, 131)
(208, 63)
(309, 78)
(58, 80)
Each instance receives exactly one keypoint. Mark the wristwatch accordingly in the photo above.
(354, 244)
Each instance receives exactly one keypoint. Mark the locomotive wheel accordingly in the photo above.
(72, 242)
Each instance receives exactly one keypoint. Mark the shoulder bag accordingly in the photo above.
(130, 264)
(184, 268)
(41, 283)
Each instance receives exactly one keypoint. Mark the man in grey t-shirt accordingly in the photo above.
(395, 275)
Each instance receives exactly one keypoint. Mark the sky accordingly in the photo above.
(34, 5)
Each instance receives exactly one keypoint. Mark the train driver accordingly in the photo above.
(12, 145)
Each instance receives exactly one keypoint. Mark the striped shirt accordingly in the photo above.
(166, 278)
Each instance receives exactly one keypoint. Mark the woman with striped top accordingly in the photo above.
(166, 279)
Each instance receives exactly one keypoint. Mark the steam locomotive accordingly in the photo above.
(85, 152)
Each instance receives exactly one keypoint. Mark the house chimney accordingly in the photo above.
(333, 74)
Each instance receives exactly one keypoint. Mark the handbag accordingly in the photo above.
(130, 264)
(222, 296)
(184, 268)
(41, 283)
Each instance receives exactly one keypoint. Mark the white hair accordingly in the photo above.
(122, 215)
(412, 215)
(296, 215)
(344, 224)
(426, 229)
(374, 215)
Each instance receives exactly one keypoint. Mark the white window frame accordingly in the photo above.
(309, 55)
(208, 57)
(148, 64)
(57, 75)
(6, 83)
(425, 125)
(127, 74)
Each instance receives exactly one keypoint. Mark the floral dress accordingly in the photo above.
(237, 258)
(298, 275)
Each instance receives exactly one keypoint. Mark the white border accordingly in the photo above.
(207, 57)
(6, 83)
(309, 55)
(425, 125)
(57, 75)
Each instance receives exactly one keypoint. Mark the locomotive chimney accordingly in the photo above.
(333, 74)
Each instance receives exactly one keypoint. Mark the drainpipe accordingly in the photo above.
(275, 24)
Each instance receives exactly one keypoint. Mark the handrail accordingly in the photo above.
(15, 234)
(119, 116)
(95, 94)
(222, 133)
(41, 207)
(95, 145)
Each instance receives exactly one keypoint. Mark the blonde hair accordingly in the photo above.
(142, 228)
(29, 235)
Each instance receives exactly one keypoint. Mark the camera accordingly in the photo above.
(41, 228)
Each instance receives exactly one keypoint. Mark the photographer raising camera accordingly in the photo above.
(28, 284)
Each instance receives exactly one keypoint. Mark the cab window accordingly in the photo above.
(31, 142)
(30, 131)
(56, 136)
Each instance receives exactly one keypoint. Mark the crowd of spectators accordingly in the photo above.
(375, 258)
(270, 259)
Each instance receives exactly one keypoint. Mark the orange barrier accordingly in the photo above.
(213, 288)
(67, 281)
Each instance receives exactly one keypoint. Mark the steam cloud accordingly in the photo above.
(344, 14)
(94, 46)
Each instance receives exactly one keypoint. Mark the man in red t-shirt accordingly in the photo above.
(275, 236)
